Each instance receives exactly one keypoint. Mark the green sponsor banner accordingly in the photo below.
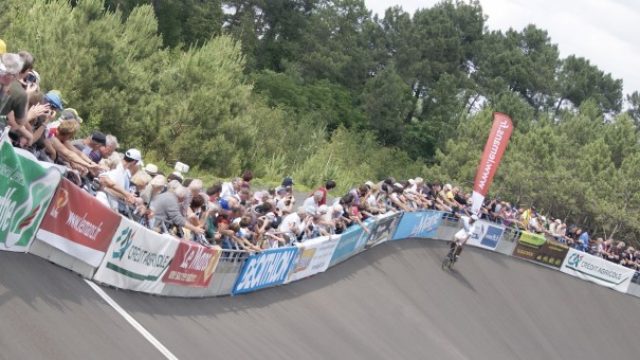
(532, 239)
(536, 248)
(26, 188)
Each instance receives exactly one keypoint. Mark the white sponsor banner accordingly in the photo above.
(314, 257)
(137, 258)
(485, 234)
(597, 270)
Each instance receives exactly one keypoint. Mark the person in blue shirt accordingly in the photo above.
(583, 240)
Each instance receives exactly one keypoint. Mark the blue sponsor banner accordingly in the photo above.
(492, 236)
(351, 241)
(418, 225)
(485, 234)
(267, 268)
(383, 229)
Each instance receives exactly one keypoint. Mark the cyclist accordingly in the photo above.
(461, 237)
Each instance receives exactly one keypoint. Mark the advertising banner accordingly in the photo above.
(491, 156)
(597, 270)
(383, 228)
(537, 248)
(193, 265)
(486, 235)
(418, 225)
(264, 269)
(78, 224)
(351, 241)
(313, 257)
(26, 188)
(137, 258)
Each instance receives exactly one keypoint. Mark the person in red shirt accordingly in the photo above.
(330, 184)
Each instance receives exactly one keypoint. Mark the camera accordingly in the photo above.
(31, 78)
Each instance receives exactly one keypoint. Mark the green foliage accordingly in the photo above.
(352, 156)
(386, 102)
(331, 102)
(189, 22)
(578, 81)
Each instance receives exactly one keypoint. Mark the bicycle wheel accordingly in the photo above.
(447, 262)
(452, 261)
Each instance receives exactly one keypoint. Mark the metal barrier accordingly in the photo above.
(229, 267)
(449, 226)
(634, 287)
(222, 281)
(61, 258)
(509, 240)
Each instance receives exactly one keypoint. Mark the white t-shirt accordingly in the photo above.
(227, 190)
(372, 201)
(310, 204)
(290, 222)
(120, 176)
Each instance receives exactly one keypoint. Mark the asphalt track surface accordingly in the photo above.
(391, 302)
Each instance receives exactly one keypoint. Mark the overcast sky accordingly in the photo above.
(607, 32)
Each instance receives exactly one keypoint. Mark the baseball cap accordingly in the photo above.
(70, 114)
(158, 180)
(133, 154)
(54, 98)
(151, 169)
(287, 181)
(99, 138)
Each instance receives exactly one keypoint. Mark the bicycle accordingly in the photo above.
(451, 258)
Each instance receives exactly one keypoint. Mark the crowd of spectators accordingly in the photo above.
(233, 214)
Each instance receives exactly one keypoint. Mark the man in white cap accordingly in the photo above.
(117, 182)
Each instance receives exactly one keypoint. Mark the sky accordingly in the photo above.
(605, 32)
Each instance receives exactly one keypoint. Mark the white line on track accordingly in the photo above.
(136, 325)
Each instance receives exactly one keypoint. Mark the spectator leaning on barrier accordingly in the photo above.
(628, 257)
(231, 188)
(117, 182)
(68, 155)
(166, 211)
(90, 145)
(292, 225)
(583, 240)
(313, 202)
(156, 186)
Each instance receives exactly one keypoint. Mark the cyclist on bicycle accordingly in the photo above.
(461, 237)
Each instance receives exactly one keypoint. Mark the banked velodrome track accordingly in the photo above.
(390, 302)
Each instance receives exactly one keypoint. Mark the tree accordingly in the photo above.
(579, 81)
(633, 101)
(522, 62)
(386, 101)
(180, 22)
